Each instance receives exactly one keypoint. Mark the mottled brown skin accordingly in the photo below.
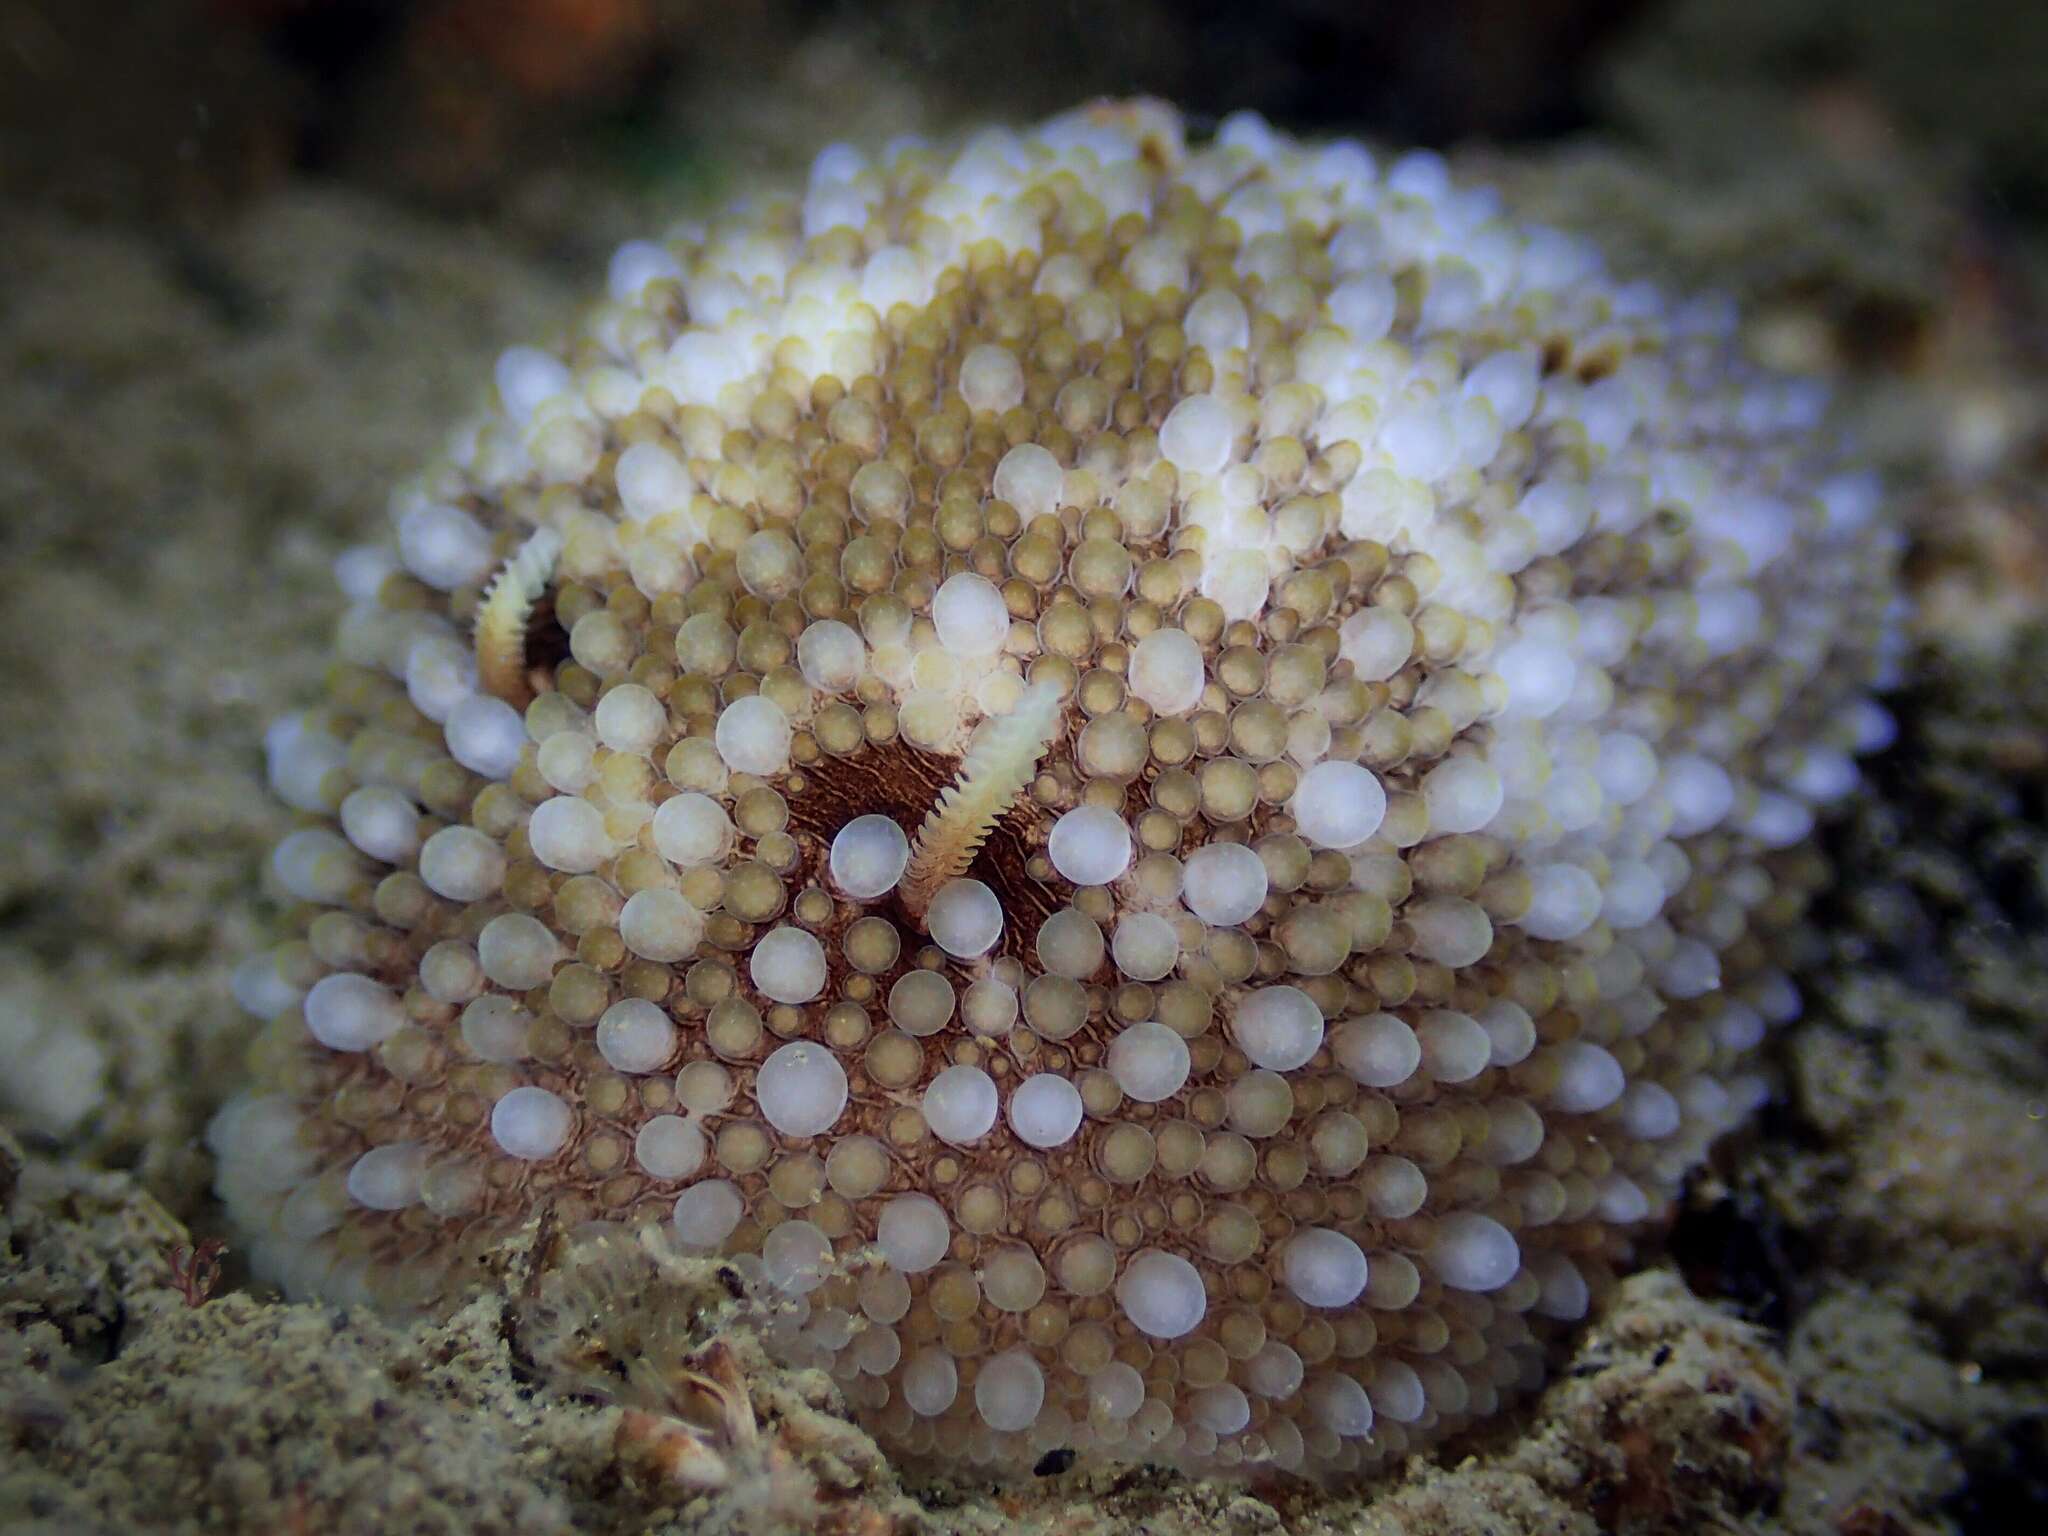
(901, 782)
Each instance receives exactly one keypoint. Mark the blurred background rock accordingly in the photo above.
(162, 104)
(255, 254)
(460, 100)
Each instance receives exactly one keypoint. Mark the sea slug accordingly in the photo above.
(1152, 778)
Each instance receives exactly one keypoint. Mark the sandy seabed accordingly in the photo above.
(1849, 1332)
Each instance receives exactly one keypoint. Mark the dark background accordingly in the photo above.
(177, 108)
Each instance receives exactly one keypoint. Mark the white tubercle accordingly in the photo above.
(801, 1089)
(1538, 675)
(630, 719)
(1218, 321)
(1115, 1392)
(312, 864)
(518, 951)
(567, 760)
(262, 990)
(1378, 1050)
(788, 965)
(1338, 805)
(960, 1104)
(1564, 1294)
(1275, 1371)
(1222, 1409)
(691, 830)
(345, 1012)
(636, 1036)
(706, 1213)
(970, 615)
(1364, 306)
(526, 377)
(1149, 1062)
(1161, 1293)
(381, 822)
(1010, 1390)
(1145, 946)
(964, 919)
(1396, 1392)
(361, 569)
(1700, 792)
(444, 547)
(1377, 642)
(1564, 901)
(769, 564)
(831, 656)
(495, 1028)
(1278, 1028)
(652, 482)
(1198, 435)
(1449, 930)
(301, 761)
(670, 1147)
(912, 1233)
(1323, 1268)
(1621, 1201)
(1337, 1403)
(1224, 883)
(796, 1257)
(485, 735)
(1455, 1047)
(1089, 845)
(753, 736)
(869, 855)
(1588, 1078)
(661, 925)
(568, 833)
(991, 379)
(1045, 1109)
(531, 1123)
(387, 1178)
(1463, 794)
(1633, 894)
(1166, 671)
(1470, 1252)
(930, 1381)
(1029, 478)
(461, 864)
